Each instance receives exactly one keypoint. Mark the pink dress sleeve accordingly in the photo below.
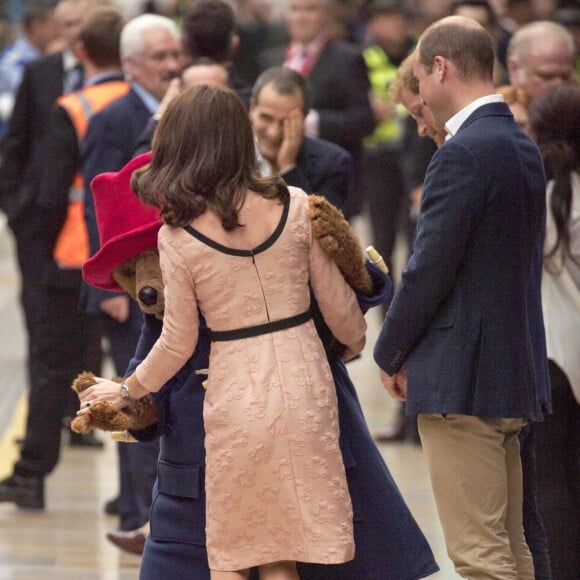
(336, 299)
(181, 318)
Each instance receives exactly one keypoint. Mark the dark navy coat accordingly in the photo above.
(466, 320)
(322, 168)
(389, 544)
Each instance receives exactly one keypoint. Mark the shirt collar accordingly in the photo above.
(26, 49)
(104, 77)
(313, 47)
(264, 166)
(149, 100)
(454, 124)
(69, 60)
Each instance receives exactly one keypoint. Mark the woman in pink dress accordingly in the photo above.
(240, 248)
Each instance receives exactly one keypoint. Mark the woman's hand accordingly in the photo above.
(103, 390)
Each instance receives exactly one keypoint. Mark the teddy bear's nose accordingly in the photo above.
(148, 296)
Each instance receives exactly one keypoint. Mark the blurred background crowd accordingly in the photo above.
(352, 53)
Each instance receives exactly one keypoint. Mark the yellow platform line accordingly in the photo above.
(9, 449)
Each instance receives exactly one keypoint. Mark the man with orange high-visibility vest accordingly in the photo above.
(71, 247)
(72, 338)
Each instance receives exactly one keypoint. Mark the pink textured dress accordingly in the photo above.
(275, 482)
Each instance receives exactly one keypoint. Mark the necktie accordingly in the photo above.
(74, 79)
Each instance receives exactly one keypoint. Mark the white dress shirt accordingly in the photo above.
(454, 124)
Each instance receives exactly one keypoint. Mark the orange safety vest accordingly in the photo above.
(72, 244)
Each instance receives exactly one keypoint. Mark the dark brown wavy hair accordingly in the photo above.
(555, 121)
(204, 157)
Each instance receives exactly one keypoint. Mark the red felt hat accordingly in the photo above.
(126, 226)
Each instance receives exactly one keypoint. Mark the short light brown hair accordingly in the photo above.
(100, 36)
(204, 157)
(468, 46)
(405, 79)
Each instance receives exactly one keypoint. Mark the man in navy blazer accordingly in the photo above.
(150, 54)
(279, 104)
(457, 342)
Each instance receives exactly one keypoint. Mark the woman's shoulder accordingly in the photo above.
(298, 197)
(298, 200)
(297, 194)
(166, 231)
(298, 207)
(172, 235)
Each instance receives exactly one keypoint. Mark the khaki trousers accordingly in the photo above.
(476, 475)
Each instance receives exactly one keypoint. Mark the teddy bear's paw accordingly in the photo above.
(143, 413)
(107, 418)
(83, 381)
(137, 416)
(82, 424)
(329, 245)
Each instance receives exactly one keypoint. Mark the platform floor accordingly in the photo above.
(67, 541)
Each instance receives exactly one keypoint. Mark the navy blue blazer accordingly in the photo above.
(466, 319)
(322, 168)
(389, 544)
(109, 144)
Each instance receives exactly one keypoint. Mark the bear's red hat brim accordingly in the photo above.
(126, 226)
(98, 270)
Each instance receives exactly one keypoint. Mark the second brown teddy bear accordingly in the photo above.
(338, 241)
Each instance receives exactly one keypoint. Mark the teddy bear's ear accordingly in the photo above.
(124, 275)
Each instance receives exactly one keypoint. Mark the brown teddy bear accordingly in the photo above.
(138, 415)
(129, 261)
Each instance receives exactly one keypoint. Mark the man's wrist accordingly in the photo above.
(312, 124)
(287, 168)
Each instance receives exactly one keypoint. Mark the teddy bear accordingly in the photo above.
(140, 276)
(138, 415)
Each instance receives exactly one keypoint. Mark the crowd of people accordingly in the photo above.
(453, 126)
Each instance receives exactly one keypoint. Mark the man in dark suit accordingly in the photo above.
(278, 107)
(458, 340)
(71, 339)
(43, 82)
(151, 58)
(338, 82)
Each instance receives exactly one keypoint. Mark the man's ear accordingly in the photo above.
(440, 67)
(79, 51)
(128, 64)
(513, 69)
